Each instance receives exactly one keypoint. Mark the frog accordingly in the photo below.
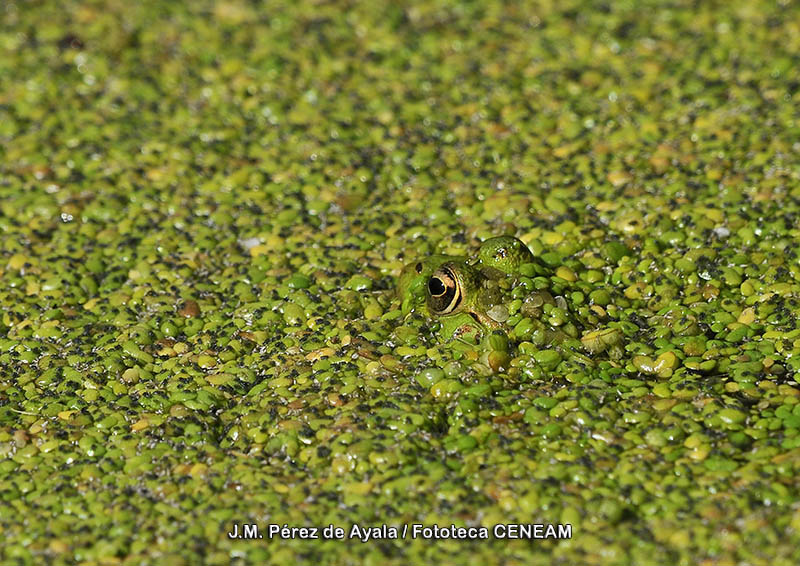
(473, 296)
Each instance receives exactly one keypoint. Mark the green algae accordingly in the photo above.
(204, 210)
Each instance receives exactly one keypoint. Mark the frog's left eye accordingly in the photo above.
(444, 291)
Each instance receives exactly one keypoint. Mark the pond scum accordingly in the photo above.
(204, 212)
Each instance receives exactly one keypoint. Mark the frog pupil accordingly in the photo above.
(437, 287)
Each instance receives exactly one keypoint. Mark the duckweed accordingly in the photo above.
(204, 210)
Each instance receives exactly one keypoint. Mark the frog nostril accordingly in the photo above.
(436, 287)
(418, 267)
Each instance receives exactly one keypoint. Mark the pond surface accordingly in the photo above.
(205, 209)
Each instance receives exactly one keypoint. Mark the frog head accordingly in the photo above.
(458, 290)
(472, 298)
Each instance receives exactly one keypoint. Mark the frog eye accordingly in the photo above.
(444, 291)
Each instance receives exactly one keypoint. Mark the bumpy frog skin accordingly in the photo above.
(469, 296)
